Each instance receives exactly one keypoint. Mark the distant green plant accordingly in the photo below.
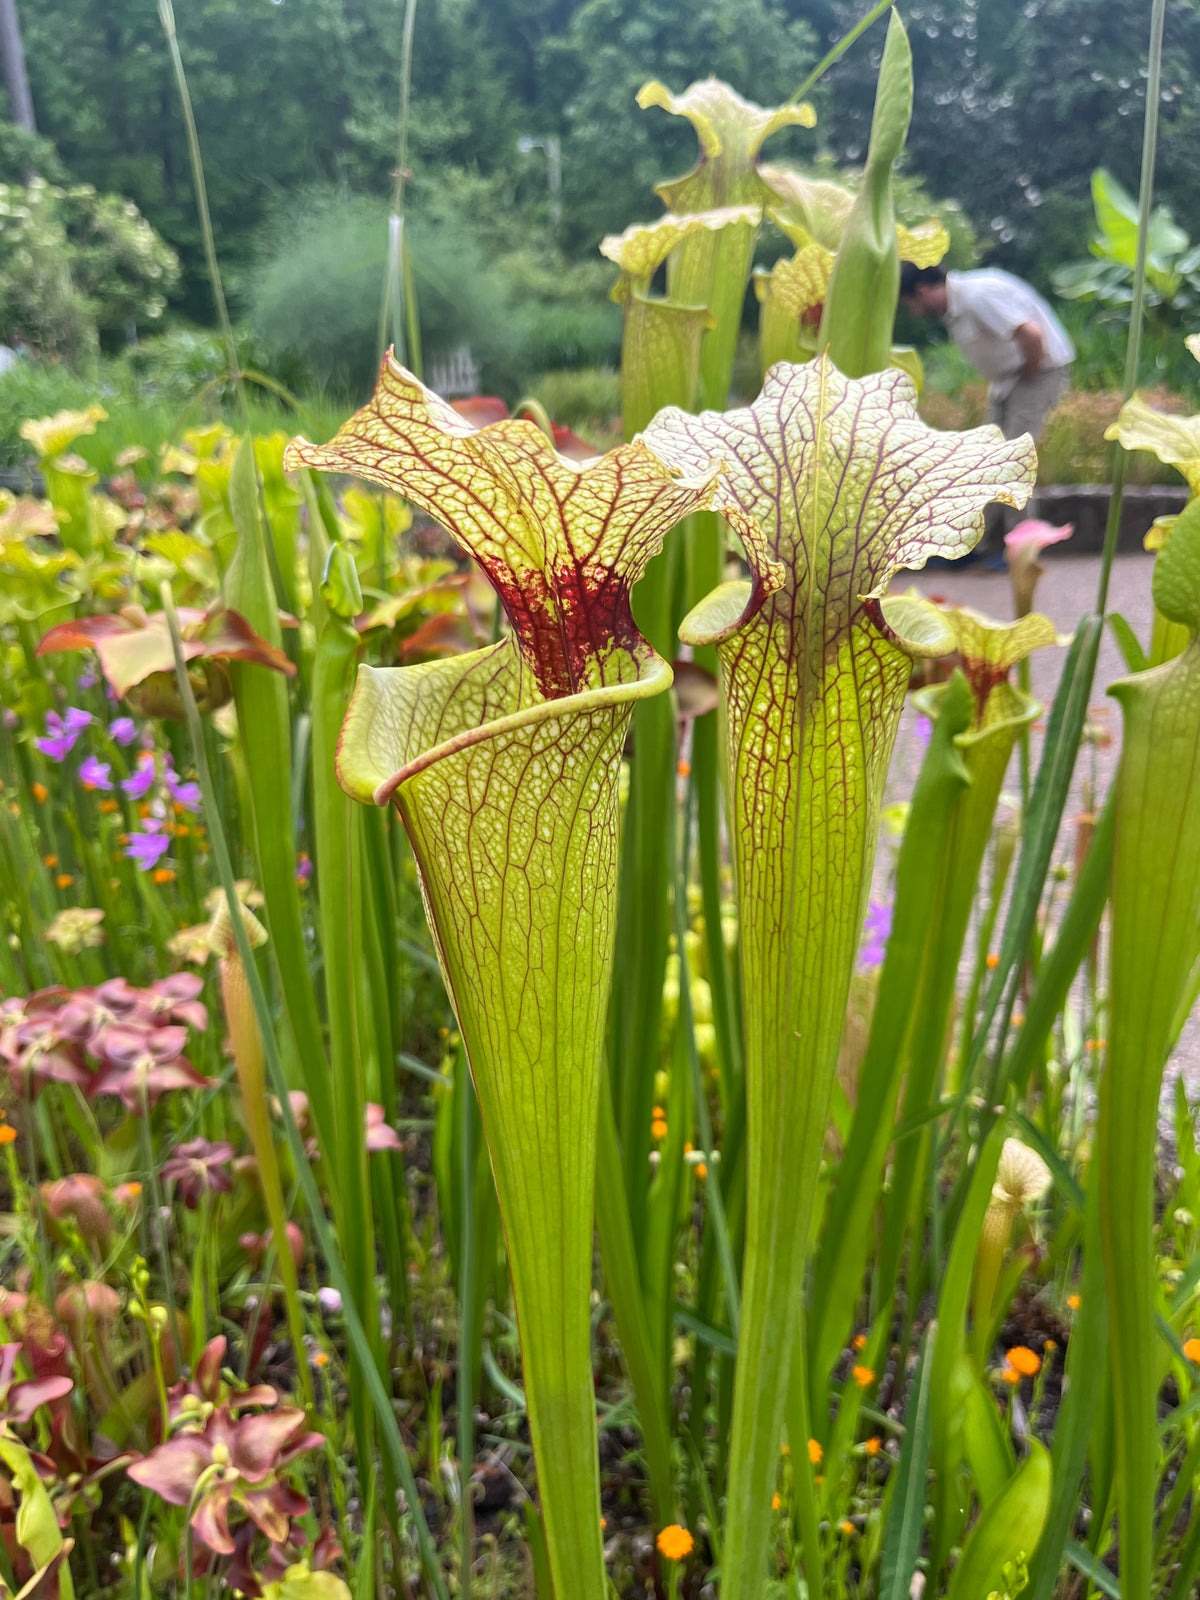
(1172, 261)
(75, 265)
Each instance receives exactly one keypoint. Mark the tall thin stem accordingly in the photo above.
(840, 48)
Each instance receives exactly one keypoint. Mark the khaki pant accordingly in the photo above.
(1028, 403)
(1023, 409)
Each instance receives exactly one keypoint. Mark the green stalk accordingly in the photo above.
(468, 1313)
(840, 48)
(326, 1239)
(334, 832)
(265, 727)
(397, 304)
(1155, 911)
(847, 1235)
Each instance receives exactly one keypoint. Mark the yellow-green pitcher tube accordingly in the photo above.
(846, 485)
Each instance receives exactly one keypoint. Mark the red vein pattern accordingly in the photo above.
(847, 484)
(561, 541)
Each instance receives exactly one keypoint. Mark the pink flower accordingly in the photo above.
(122, 730)
(380, 1134)
(1022, 547)
(1037, 533)
(186, 795)
(141, 1064)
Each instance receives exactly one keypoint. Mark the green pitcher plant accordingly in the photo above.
(1155, 916)
(977, 717)
(503, 765)
(848, 485)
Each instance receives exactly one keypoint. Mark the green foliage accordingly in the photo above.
(1172, 264)
(74, 265)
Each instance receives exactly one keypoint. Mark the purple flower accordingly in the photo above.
(877, 925)
(139, 785)
(304, 867)
(329, 1300)
(94, 774)
(62, 732)
(186, 795)
(148, 848)
(123, 730)
(88, 678)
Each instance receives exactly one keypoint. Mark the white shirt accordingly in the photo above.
(983, 311)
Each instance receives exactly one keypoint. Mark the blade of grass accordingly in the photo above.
(906, 1516)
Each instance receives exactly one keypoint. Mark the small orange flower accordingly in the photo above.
(321, 1359)
(108, 807)
(993, 961)
(701, 1171)
(64, 880)
(846, 1526)
(181, 830)
(14, 808)
(688, 1147)
(178, 809)
(785, 1449)
(1049, 1347)
(39, 792)
(873, 1447)
(658, 1113)
(1074, 1302)
(126, 1193)
(164, 875)
(658, 1128)
(1025, 1361)
(815, 1454)
(675, 1542)
(50, 861)
(603, 1524)
(863, 1376)
(776, 1502)
(685, 769)
(1191, 1347)
(1018, 1019)
(859, 1341)
(7, 1133)
(1011, 1375)
(819, 1479)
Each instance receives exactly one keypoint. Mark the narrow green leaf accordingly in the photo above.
(1082, 1559)
(906, 1515)
(1006, 1536)
(1155, 944)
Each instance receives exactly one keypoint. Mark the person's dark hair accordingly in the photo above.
(911, 275)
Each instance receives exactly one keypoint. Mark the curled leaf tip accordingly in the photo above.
(643, 247)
